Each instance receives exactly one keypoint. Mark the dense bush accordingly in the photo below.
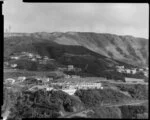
(98, 97)
(133, 111)
(137, 91)
(42, 104)
(105, 112)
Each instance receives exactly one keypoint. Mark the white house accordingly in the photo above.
(30, 55)
(75, 76)
(70, 67)
(120, 70)
(133, 71)
(33, 59)
(128, 71)
(120, 67)
(140, 69)
(89, 86)
(46, 58)
(13, 65)
(21, 78)
(146, 74)
(133, 80)
(69, 91)
(67, 76)
(15, 57)
(10, 80)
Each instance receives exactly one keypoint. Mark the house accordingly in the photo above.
(15, 57)
(46, 58)
(89, 86)
(146, 74)
(67, 76)
(13, 65)
(133, 80)
(75, 76)
(128, 71)
(120, 67)
(141, 69)
(10, 80)
(30, 55)
(33, 59)
(120, 70)
(49, 88)
(38, 56)
(69, 91)
(70, 67)
(133, 71)
(21, 78)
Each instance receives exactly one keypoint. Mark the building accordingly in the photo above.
(133, 80)
(133, 71)
(120, 67)
(69, 91)
(87, 86)
(13, 65)
(141, 69)
(120, 70)
(10, 81)
(67, 76)
(38, 56)
(75, 76)
(46, 58)
(21, 78)
(128, 71)
(15, 57)
(30, 55)
(146, 74)
(33, 59)
(70, 67)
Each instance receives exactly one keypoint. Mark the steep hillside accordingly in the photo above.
(126, 49)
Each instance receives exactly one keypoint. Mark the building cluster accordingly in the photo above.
(122, 69)
(70, 68)
(27, 56)
(71, 76)
(30, 79)
(68, 87)
(30, 56)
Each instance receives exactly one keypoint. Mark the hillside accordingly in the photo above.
(126, 49)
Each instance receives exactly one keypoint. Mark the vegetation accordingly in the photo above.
(98, 97)
(133, 112)
(42, 104)
(105, 112)
(137, 91)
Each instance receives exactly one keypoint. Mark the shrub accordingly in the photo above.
(106, 112)
(97, 97)
(132, 111)
(137, 91)
(42, 104)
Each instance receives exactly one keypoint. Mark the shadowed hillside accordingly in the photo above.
(127, 49)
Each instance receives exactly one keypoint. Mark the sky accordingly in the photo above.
(115, 18)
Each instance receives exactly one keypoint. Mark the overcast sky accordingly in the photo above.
(121, 19)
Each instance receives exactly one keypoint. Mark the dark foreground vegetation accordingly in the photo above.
(137, 91)
(43, 104)
(105, 112)
(99, 97)
(136, 112)
(53, 104)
